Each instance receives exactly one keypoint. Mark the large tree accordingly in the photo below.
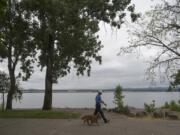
(16, 44)
(67, 34)
(159, 30)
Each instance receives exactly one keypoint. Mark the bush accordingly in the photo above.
(172, 105)
(150, 108)
(123, 110)
(179, 102)
(166, 105)
(118, 100)
(1, 108)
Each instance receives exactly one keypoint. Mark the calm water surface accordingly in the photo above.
(82, 100)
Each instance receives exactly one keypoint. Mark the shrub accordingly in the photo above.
(118, 100)
(166, 105)
(1, 108)
(172, 105)
(150, 108)
(123, 110)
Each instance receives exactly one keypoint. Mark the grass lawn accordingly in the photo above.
(37, 113)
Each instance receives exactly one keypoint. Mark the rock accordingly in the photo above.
(132, 114)
(115, 110)
(141, 114)
(165, 113)
(110, 110)
(158, 114)
(172, 115)
(124, 110)
(161, 113)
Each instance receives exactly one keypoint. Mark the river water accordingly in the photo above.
(87, 99)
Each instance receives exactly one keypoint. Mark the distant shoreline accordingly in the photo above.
(157, 89)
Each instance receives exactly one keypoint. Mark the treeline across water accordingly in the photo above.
(155, 89)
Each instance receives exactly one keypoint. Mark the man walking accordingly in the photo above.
(99, 101)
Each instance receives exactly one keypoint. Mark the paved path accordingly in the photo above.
(119, 125)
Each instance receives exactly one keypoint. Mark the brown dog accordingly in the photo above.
(90, 119)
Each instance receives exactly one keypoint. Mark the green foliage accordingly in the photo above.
(70, 27)
(170, 88)
(4, 82)
(166, 105)
(2, 11)
(16, 44)
(5, 86)
(176, 79)
(118, 97)
(150, 108)
(1, 107)
(123, 110)
(172, 105)
(39, 114)
(16, 38)
(118, 101)
(2, 6)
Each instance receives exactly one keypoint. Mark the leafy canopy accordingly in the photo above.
(71, 27)
(16, 40)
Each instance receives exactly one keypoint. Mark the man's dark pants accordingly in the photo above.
(98, 110)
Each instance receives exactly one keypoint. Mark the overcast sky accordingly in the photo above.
(129, 71)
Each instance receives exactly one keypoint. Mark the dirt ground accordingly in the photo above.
(119, 125)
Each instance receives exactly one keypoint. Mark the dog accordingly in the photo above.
(90, 119)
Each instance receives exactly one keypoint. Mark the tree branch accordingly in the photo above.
(164, 45)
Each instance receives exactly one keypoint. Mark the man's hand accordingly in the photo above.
(103, 103)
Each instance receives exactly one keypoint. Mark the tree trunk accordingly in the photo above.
(48, 90)
(3, 101)
(49, 76)
(11, 66)
(12, 89)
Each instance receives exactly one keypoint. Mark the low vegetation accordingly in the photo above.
(150, 108)
(1, 107)
(35, 113)
(118, 101)
(172, 105)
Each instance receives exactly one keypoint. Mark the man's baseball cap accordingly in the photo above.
(100, 91)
